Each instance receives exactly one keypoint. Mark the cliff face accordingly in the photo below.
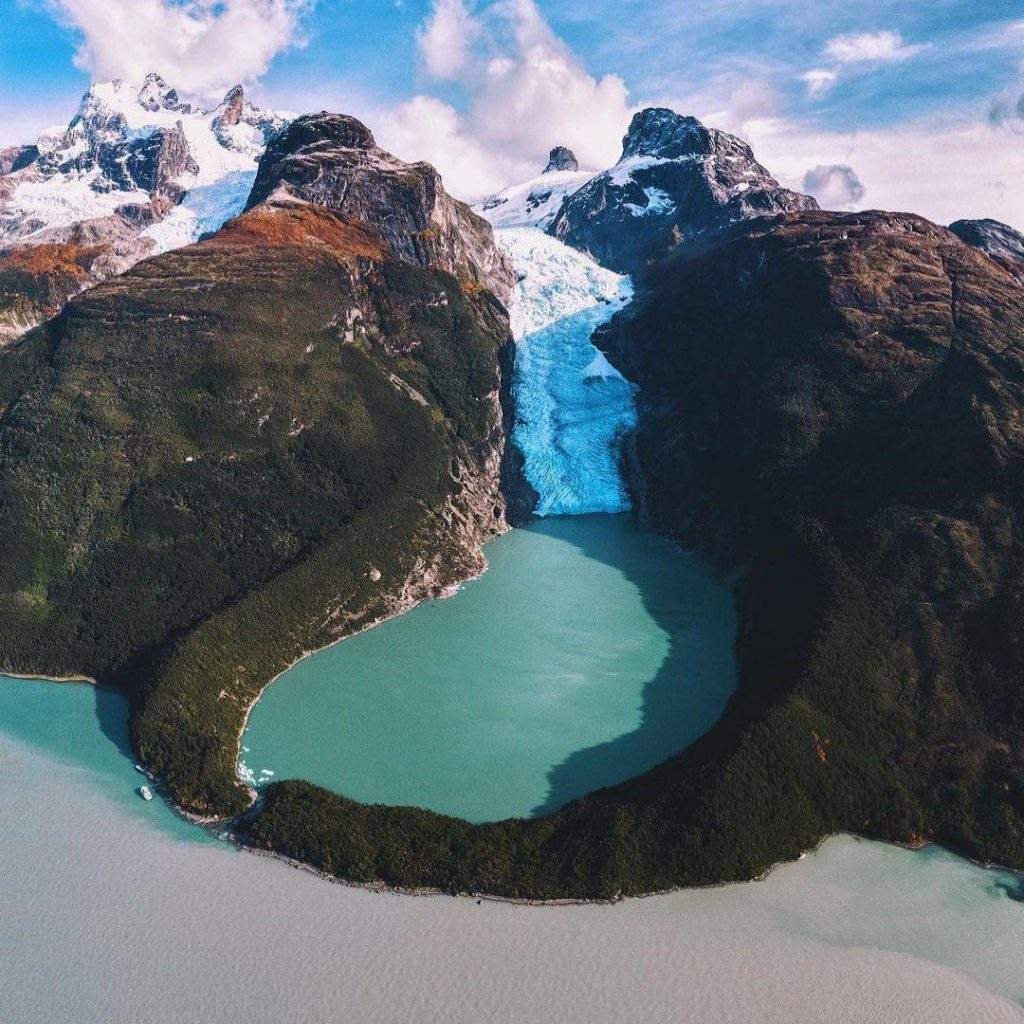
(675, 181)
(236, 452)
(833, 402)
(333, 161)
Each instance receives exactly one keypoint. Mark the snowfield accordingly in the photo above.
(573, 407)
(533, 203)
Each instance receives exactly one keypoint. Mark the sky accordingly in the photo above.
(866, 104)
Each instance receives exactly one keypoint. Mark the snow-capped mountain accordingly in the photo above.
(131, 152)
(675, 180)
(535, 203)
(137, 171)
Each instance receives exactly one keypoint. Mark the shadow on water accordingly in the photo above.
(695, 608)
(111, 711)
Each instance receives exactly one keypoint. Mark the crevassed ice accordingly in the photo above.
(573, 408)
(204, 208)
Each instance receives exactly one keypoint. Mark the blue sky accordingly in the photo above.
(830, 78)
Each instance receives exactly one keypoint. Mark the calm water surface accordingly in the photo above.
(587, 653)
(108, 914)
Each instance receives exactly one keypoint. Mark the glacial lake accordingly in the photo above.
(588, 652)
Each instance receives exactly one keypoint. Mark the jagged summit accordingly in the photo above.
(676, 179)
(332, 161)
(561, 158)
(136, 171)
(155, 94)
(660, 132)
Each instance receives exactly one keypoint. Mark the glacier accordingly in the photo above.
(573, 408)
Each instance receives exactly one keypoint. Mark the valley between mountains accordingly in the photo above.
(264, 396)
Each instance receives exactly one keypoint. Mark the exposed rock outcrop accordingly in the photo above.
(1003, 243)
(333, 161)
(16, 158)
(561, 158)
(675, 181)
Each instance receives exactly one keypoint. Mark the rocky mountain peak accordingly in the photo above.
(332, 161)
(320, 133)
(561, 158)
(1003, 243)
(676, 179)
(232, 106)
(663, 133)
(155, 94)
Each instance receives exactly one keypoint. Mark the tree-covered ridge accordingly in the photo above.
(832, 404)
(202, 461)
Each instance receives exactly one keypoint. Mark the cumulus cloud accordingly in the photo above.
(861, 47)
(446, 37)
(941, 168)
(835, 186)
(201, 46)
(819, 81)
(528, 92)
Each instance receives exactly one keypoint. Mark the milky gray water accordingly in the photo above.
(114, 912)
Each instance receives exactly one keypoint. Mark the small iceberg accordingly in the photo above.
(266, 771)
(145, 792)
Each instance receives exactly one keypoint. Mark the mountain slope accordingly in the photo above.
(675, 180)
(238, 451)
(534, 203)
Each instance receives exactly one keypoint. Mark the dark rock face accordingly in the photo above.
(156, 94)
(561, 159)
(675, 180)
(16, 158)
(1003, 243)
(833, 402)
(332, 161)
(154, 164)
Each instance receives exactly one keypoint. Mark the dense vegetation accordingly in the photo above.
(203, 462)
(832, 403)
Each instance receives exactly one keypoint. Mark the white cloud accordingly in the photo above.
(200, 46)
(936, 168)
(819, 81)
(863, 47)
(835, 186)
(528, 92)
(446, 37)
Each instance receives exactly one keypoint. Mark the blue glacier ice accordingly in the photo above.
(573, 408)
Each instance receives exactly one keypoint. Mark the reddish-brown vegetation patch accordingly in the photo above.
(298, 227)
